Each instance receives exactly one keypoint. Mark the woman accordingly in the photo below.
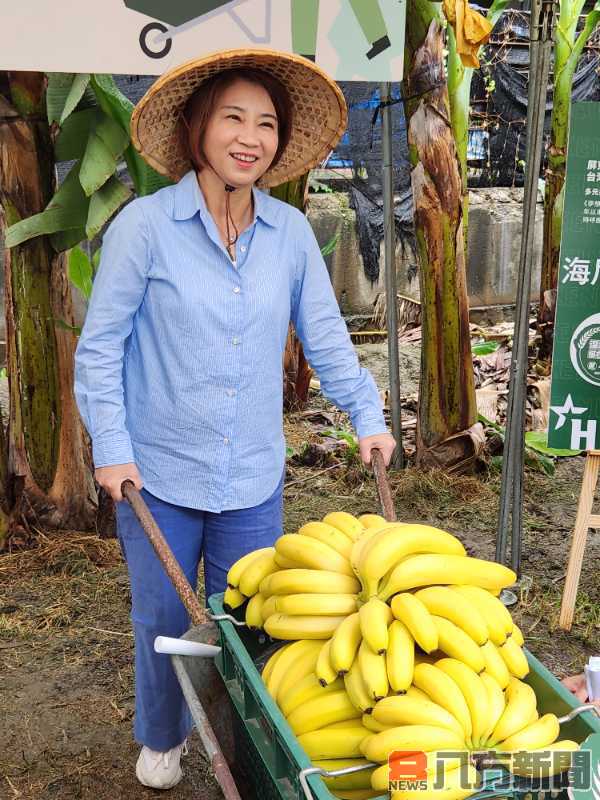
(179, 365)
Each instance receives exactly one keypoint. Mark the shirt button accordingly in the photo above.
(236, 290)
(225, 440)
(243, 248)
(235, 340)
(230, 392)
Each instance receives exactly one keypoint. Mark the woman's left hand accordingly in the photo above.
(382, 441)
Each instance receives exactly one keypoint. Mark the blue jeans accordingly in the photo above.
(162, 718)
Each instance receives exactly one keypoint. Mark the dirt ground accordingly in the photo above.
(66, 694)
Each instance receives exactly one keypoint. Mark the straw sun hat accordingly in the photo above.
(319, 112)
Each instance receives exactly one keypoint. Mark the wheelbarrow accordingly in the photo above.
(177, 16)
(245, 736)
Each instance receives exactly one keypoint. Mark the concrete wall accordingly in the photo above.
(493, 257)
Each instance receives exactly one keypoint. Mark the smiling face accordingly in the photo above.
(241, 136)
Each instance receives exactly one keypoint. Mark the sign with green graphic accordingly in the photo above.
(351, 39)
(575, 399)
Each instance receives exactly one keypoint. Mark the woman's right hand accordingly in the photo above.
(111, 478)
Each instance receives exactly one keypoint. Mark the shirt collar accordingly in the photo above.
(189, 200)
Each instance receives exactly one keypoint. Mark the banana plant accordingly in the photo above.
(90, 122)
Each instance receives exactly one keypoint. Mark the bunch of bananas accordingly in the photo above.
(398, 642)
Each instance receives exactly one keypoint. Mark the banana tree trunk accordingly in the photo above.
(296, 371)
(48, 476)
(447, 406)
(567, 51)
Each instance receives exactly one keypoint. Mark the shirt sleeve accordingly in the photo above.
(327, 345)
(117, 294)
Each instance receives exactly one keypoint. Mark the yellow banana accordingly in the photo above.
(514, 658)
(360, 544)
(404, 710)
(312, 553)
(443, 602)
(435, 568)
(324, 671)
(299, 581)
(496, 705)
(414, 614)
(411, 738)
(444, 691)
(375, 616)
(355, 780)
(317, 604)
(372, 520)
(369, 721)
(322, 711)
(494, 664)
(373, 670)
(285, 563)
(458, 785)
(254, 618)
(400, 656)
(357, 690)
(304, 664)
(537, 735)
(397, 542)
(265, 584)
(412, 691)
(344, 644)
(474, 692)
(520, 706)
(552, 764)
(270, 664)
(435, 762)
(306, 689)
(334, 742)
(284, 626)
(268, 609)
(328, 535)
(237, 569)
(345, 523)
(496, 615)
(284, 662)
(233, 598)
(517, 635)
(263, 565)
(457, 644)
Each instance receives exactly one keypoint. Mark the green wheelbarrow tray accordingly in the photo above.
(178, 16)
(266, 759)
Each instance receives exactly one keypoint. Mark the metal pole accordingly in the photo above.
(389, 226)
(514, 443)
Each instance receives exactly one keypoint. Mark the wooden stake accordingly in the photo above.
(585, 520)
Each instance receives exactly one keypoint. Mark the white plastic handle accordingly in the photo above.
(183, 647)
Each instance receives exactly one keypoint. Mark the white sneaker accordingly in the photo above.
(160, 770)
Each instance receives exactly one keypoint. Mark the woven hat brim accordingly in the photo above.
(320, 114)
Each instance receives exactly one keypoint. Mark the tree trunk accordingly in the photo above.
(447, 405)
(567, 51)
(296, 371)
(48, 480)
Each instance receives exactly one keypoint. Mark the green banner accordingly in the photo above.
(575, 394)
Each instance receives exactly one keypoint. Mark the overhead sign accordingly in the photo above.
(575, 393)
(350, 39)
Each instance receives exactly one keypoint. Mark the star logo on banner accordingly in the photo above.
(562, 411)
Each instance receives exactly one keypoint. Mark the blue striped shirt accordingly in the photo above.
(179, 364)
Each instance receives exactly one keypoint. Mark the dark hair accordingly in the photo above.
(202, 103)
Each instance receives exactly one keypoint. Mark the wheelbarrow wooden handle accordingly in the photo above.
(383, 485)
(163, 551)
